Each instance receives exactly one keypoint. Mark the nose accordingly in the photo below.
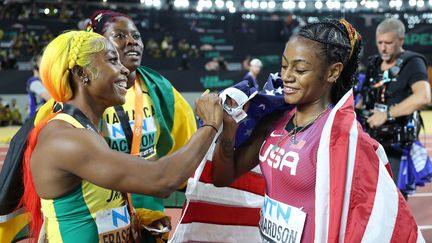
(287, 76)
(130, 40)
(124, 70)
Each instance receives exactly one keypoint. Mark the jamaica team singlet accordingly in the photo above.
(289, 169)
(89, 213)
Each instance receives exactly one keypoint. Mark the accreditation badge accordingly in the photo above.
(281, 222)
(114, 225)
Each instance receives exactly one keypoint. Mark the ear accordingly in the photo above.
(402, 40)
(80, 75)
(334, 71)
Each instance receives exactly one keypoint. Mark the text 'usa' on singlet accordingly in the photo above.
(289, 169)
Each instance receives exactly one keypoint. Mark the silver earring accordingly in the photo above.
(85, 80)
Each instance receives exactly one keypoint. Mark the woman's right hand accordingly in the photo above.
(209, 109)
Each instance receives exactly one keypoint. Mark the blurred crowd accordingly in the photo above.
(9, 113)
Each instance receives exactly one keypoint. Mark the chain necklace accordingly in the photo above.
(296, 130)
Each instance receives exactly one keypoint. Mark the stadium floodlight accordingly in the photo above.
(255, 4)
(219, 4)
(420, 3)
(318, 4)
(412, 3)
(229, 4)
(289, 4)
(263, 5)
(271, 4)
(157, 3)
(247, 4)
(302, 4)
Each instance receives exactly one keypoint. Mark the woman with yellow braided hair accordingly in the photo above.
(326, 179)
(69, 170)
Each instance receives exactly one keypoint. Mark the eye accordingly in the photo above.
(284, 67)
(136, 36)
(114, 60)
(301, 71)
(119, 35)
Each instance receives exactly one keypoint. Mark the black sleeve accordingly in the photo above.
(417, 69)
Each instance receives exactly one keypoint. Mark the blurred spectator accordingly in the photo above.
(3, 113)
(212, 65)
(216, 64)
(194, 27)
(244, 28)
(152, 48)
(246, 62)
(183, 46)
(37, 93)
(289, 27)
(184, 63)
(223, 65)
(15, 114)
(167, 47)
(255, 66)
(194, 52)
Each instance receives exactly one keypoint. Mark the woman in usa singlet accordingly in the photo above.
(318, 68)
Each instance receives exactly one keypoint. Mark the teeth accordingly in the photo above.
(132, 53)
(122, 84)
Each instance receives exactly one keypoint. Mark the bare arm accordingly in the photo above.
(420, 97)
(229, 164)
(79, 153)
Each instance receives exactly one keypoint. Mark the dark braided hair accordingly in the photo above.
(101, 18)
(337, 41)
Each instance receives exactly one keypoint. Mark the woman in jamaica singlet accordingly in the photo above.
(70, 171)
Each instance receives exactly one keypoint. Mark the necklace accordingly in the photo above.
(296, 130)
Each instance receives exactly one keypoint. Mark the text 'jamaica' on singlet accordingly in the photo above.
(113, 130)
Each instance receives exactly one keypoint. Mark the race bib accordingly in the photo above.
(114, 225)
(280, 222)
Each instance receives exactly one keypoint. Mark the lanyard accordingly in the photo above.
(139, 114)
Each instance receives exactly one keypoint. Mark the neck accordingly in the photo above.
(91, 111)
(306, 113)
(131, 79)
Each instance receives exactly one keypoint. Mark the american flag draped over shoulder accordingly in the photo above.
(230, 214)
(356, 198)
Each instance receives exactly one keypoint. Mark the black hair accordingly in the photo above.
(101, 18)
(334, 44)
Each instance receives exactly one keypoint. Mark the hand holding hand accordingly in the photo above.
(209, 109)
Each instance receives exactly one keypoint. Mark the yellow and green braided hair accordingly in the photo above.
(72, 48)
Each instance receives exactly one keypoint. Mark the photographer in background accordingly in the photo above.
(396, 88)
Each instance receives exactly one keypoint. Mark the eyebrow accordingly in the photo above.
(297, 60)
(125, 30)
(112, 52)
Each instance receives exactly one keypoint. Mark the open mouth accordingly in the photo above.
(121, 85)
(288, 90)
(132, 54)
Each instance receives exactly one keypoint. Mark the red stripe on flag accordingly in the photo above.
(224, 215)
(338, 155)
(250, 182)
(365, 180)
(405, 229)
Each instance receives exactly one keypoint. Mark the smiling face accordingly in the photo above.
(108, 77)
(304, 73)
(126, 38)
